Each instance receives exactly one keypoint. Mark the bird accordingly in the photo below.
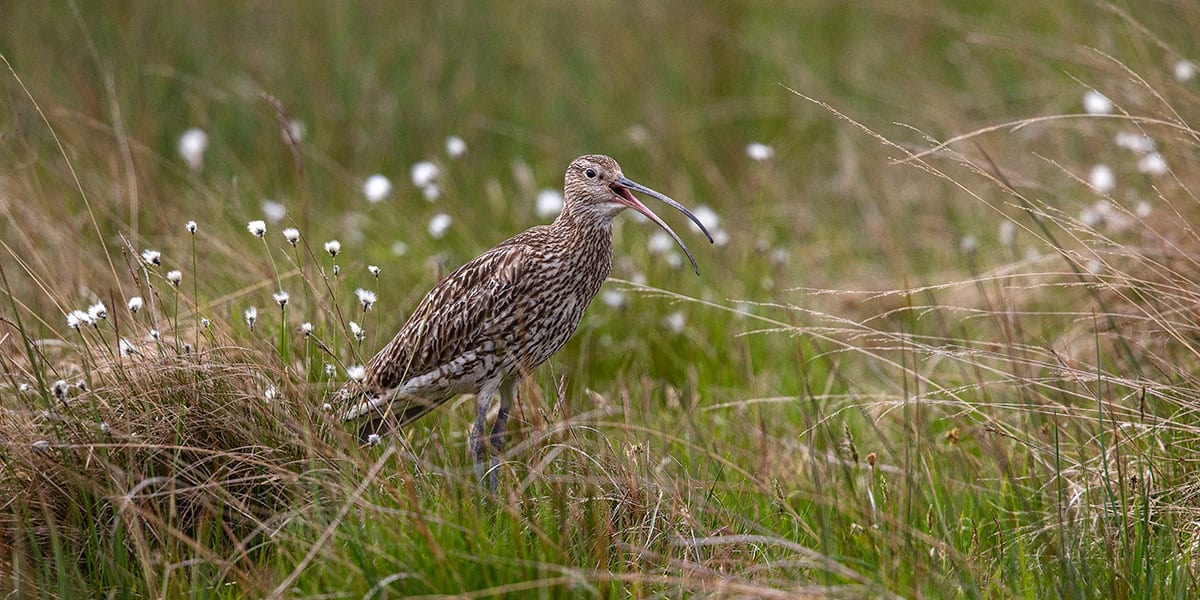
(493, 320)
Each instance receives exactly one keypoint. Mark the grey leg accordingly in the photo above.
(478, 440)
(508, 393)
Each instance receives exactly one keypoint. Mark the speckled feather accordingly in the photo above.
(498, 316)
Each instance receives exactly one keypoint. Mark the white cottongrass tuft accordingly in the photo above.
(399, 248)
(707, 216)
(377, 188)
(152, 257)
(675, 322)
(638, 134)
(257, 228)
(1143, 209)
(674, 260)
(205, 323)
(759, 151)
(76, 319)
(292, 235)
(296, 128)
(306, 328)
(190, 226)
(192, 145)
(330, 371)
(270, 393)
(431, 192)
(720, 237)
(613, 298)
(549, 203)
(357, 331)
(280, 298)
(98, 312)
(1152, 164)
(60, 389)
(273, 211)
(425, 173)
(455, 146)
(1103, 179)
(374, 270)
(154, 334)
(1008, 233)
(968, 244)
(1185, 70)
(251, 315)
(365, 297)
(1134, 142)
(356, 372)
(135, 304)
(174, 278)
(1095, 103)
(660, 243)
(333, 247)
(439, 224)
(374, 439)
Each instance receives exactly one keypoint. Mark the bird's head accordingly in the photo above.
(596, 190)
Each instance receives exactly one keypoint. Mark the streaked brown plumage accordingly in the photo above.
(502, 314)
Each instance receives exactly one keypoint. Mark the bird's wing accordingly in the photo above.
(456, 317)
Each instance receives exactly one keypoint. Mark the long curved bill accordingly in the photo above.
(622, 188)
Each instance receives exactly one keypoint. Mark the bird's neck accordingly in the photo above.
(586, 238)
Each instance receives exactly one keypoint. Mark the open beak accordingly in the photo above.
(622, 187)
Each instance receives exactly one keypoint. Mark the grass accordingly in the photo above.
(871, 390)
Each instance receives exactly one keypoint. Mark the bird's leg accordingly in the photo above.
(478, 440)
(508, 393)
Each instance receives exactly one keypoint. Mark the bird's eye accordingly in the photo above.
(591, 173)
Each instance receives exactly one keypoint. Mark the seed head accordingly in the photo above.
(333, 247)
(258, 228)
(306, 328)
(356, 373)
(759, 151)
(330, 371)
(281, 298)
(439, 224)
(374, 439)
(273, 211)
(191, 227)
(126, 348)
(152, 257)
(154, 334)
(1096, 103)
(292, 235)
(205, 323)
(192, 145)
(251, 316)
(455, 146)
(1103, 179)
(424, 173)
(174, 278)
(1185, 71)
(374, 270)
(135, 304)
(377, 188)
(360, 334)
(549, 203)
(431, 192)
(365, 297)
(675, 322)
(73, 320)
(60, 389)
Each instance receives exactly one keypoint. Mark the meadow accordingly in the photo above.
(946, 344)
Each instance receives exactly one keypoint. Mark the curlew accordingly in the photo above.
(502, 314)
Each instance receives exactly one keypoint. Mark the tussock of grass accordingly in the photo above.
(874, 389)
(165, 458)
